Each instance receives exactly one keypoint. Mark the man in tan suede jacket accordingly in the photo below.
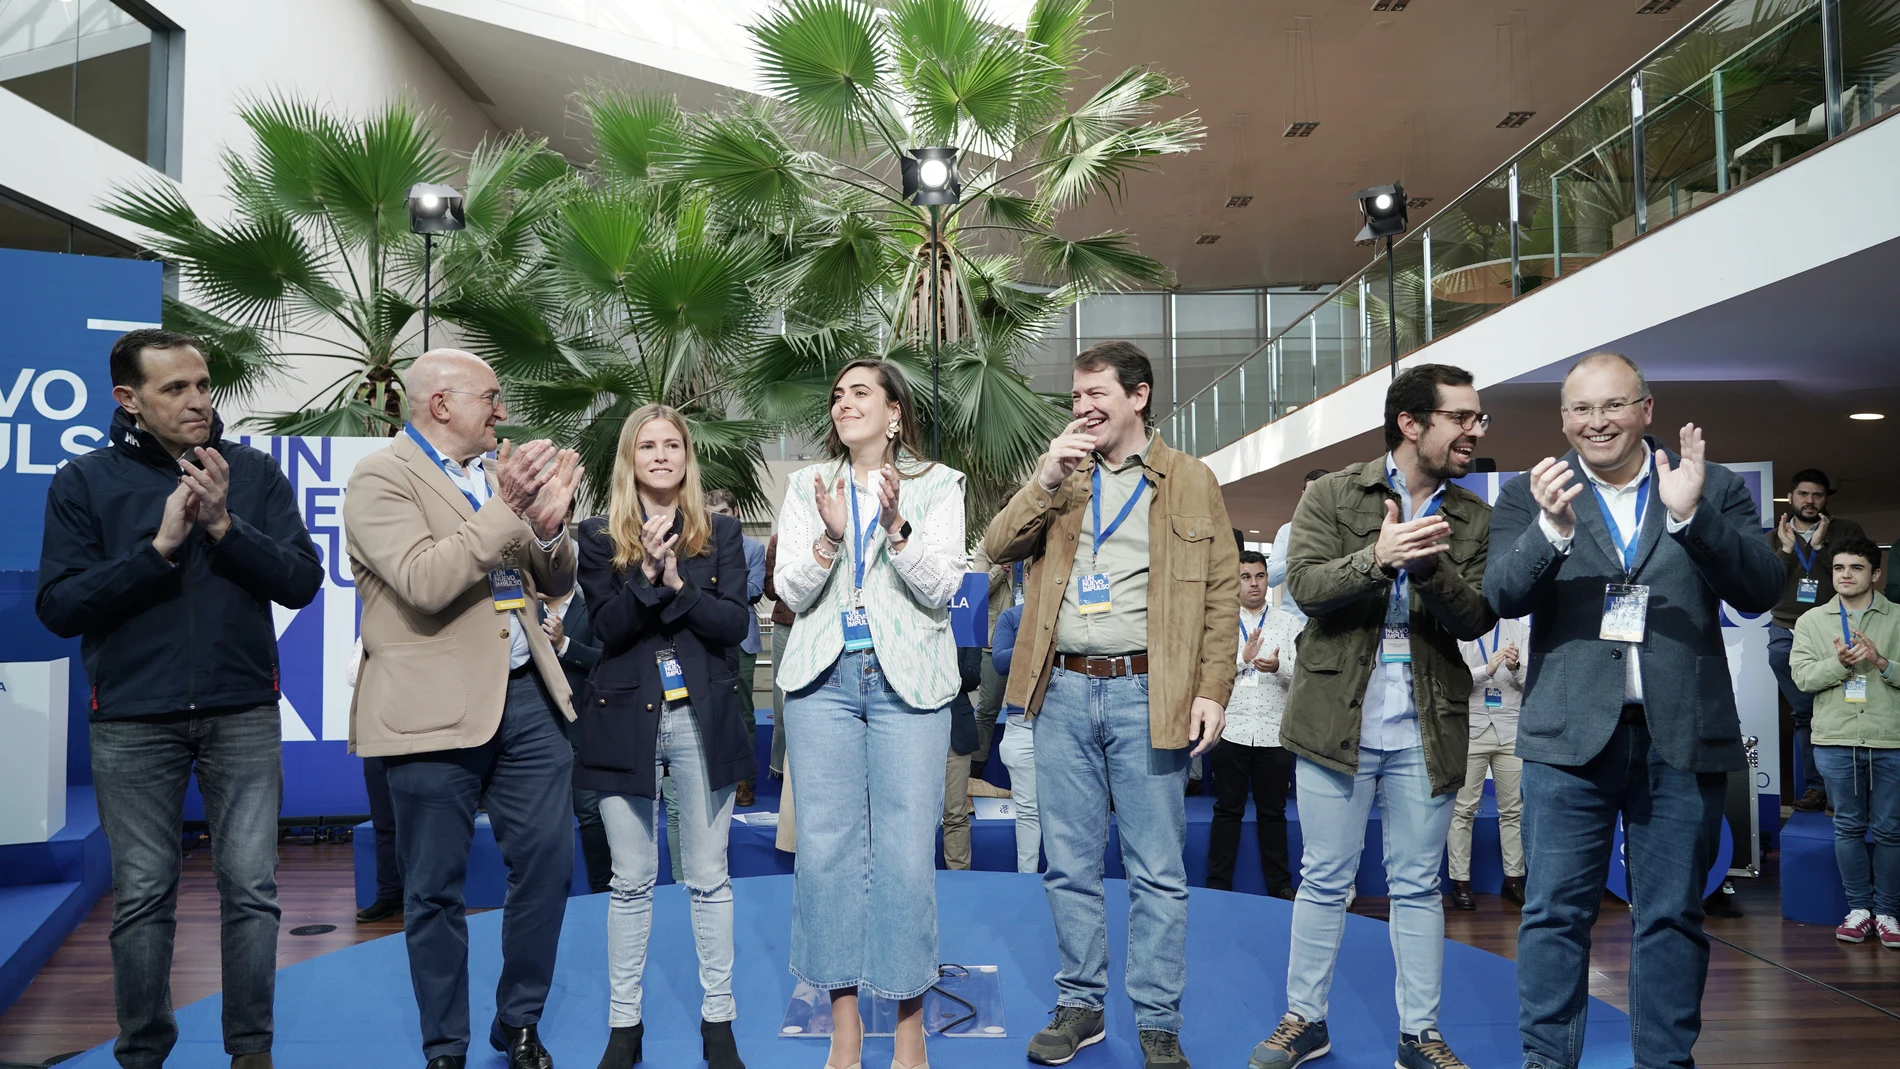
(1125, 659)
(459, 690)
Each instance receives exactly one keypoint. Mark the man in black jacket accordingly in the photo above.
(164, 551)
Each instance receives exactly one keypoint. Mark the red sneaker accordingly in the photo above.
(1889, 929)
(1855, 929)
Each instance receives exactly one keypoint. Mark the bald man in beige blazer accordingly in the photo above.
(459, 692)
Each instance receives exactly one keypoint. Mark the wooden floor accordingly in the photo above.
(1779, 993)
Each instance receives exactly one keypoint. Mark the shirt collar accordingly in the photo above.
(1590, 473)
(1137, 458)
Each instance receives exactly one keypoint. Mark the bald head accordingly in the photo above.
(455, 401)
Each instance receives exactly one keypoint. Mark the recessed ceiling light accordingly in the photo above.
(1868, 415)
(1207, 239)
(1253, 532)
(1514, 119)
(1301, 129)
(1240, 200)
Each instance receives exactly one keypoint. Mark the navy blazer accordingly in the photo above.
(1573, 692)
(583, 652)
(633, 620)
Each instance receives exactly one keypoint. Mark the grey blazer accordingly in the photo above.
(1573, 695)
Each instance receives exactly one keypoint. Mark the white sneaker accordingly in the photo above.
(1855, 929)
(1889, 931)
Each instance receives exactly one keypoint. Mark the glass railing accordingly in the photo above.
(1743, 89)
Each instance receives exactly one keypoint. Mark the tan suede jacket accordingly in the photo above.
(1193, 587)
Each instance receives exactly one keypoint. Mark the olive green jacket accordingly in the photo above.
(1331, 574)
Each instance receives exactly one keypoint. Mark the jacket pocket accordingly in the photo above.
(1544, 716)
(1193, 537)
(610, 729)
(398, 665)
(1715, 717)
(1320, 653)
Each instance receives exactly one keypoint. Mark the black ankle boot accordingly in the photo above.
(623, 1047)
(718, 1047)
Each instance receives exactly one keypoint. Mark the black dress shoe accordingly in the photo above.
(717, 1046)
(1461, 895)
(1284, 893)
(623, 1047)
(521, 1045)
(448, 1061)
(379, 910)
(1513, 890)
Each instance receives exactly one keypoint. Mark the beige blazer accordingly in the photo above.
(434, 673)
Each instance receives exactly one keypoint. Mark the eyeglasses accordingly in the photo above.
(1615, 409)
(491, 398)
(1465, 418)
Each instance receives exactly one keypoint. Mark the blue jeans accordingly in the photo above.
(524, 776)
(1864, 786)
(705, 826)
(1334, 809)
(1672, 824)
(1092, 744)
(139, 771)
(870, 769)
(1800, 703)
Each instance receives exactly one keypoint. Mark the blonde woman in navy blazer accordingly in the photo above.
(664, 583)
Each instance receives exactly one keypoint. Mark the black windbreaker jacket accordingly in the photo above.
(193, 634)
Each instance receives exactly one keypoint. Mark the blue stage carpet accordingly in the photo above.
(353, 1007)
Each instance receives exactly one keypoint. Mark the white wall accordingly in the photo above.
(349, 54)
(1813, 213)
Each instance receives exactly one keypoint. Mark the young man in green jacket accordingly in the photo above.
(1388, 562)
(1840, 656)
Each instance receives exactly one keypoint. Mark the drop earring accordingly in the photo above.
(890, 431)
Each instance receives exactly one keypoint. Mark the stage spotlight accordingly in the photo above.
(434, 209)
(1383, 208)
(930, 176)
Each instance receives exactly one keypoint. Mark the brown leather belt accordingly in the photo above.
(1121, 664)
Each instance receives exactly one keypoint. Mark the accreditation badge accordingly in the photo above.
(672, 677)
(1854, 691)
(857, 630)
(506, 589)
(1396, 645)
(1807, 591)
(1092, 596)
(1493, 698)
(1625, 612)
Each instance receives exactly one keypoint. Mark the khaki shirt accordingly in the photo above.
(1124, 558)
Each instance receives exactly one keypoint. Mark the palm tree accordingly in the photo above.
(317, 261)
(858, 89)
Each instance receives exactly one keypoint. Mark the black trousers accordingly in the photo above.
(382, 817)
(1266, 771)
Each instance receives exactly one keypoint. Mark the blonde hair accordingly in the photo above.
(625, 514)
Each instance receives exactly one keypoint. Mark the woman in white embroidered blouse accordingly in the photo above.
(871, 547)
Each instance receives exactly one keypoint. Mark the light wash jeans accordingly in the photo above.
(1864, 787)
(1018, 751)
(1334, 808)
(870, 769)
(705, 827)
(1092, 743)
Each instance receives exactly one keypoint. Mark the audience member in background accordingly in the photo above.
(871, 547)
(1386, 561)
(665, 581)
(1804, 538)
(382, 821)
(1128, 664)
(725, 503)
(564, 620)
(1249, 757)
(1282, 542)
(163, 552)
(989, 693)
(1622, 554)
(1018, 748)
(957, 761)
(1498, 666)
(467, 711)
(782, 620)
(1842, 651)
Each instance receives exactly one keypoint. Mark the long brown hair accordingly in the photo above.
(896, 391)
(625, 514)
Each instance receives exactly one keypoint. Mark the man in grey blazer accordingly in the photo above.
(1621, 554)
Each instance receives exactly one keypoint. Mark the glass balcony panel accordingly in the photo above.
(1774, 102)
(1335, 344)
(1407, 313)
(1212, 333)
(1870, 60)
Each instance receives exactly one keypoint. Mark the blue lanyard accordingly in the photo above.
(1847, 637)
(1095, 502)
(860, 538)
(1430, 509)
(1627, 549)
(429, 451)
(1807, 559)
(1486, 654)
(1257, 626)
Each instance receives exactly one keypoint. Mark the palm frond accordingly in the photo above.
(240, 359)
(829, 60)
(1107, 260)
(632, 131)
(351, 419)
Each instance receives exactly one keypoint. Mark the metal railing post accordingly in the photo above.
(1517, 263)
(1721, 130)
(1832, 75)
(1639, 181)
